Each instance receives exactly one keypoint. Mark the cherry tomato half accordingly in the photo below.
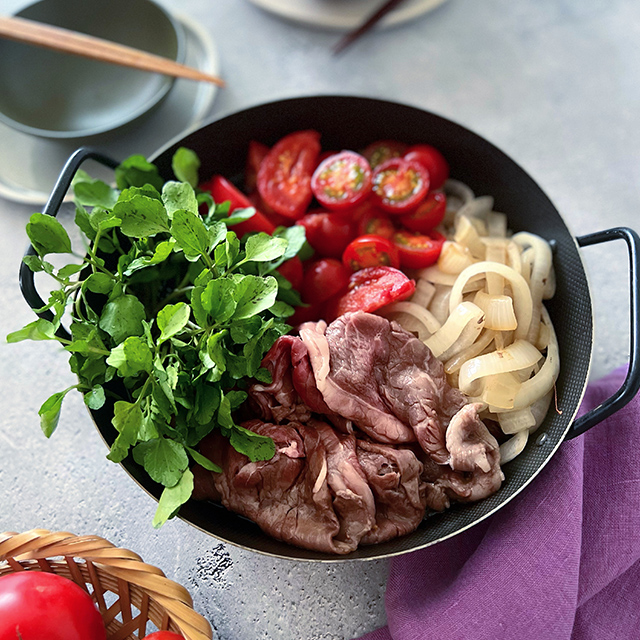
(418, 250)
(381, 150)
(164, 635)
(428, 215)
(223, 190)
(255, 155)
(399, 185)
(342, 180)
(376, 223)
(284, 177)
(369, 290)
(323, 279)
(37, 604)
(328, 233)
(432, 160)
(370, 251)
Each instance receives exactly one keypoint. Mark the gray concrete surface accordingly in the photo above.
(554, 83)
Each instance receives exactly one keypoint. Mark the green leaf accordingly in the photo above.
(252, 445)
(190, 233)
(295, 237)
(239, 215)
(47, 235)
(38, 330)
(254, 295)
(177, 196)
(122, 318)
(163, 459)
(142, 217)
(172, 319)
(69, 270)
(262, 247)
(95, 398)
(136, 171)
(93, 193)
(173, 498)
(232, 248)
(50, 412)
(36, 264)
(162, 251)
(217, 233)
(131, 357)
(207, 402)
(127, 419)
(98, 283)
(204, 461)
(185, 164)
(218, 299)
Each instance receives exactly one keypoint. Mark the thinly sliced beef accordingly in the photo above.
(383, 378)
(394, 475)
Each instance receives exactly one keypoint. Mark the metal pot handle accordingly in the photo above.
(631, 383)
(51, 208)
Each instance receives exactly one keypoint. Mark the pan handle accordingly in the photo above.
(631, 383)
(51, 208)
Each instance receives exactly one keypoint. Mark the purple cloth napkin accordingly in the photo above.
(560, 562)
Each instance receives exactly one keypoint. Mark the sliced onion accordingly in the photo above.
(496, 252)
(473, 350)
(446, 336)
(466, 339)
(420, 314)
(521, 293)
(454, 258)
(499, 311)
(514, 259)
(467, 234)
(539, 410)
(424, 293)
(515, 421)
(459, 190)
(513, 447)
(519, 355)
(435, 276)
(439, 305)
(497, 224)
(497, 391)
(550, 285)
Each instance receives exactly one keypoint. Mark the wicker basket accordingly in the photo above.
(128, 592)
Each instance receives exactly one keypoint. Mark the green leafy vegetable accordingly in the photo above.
(171, 315)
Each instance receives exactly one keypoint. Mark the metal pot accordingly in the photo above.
(352, 123)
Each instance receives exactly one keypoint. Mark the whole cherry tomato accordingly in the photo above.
(284, 177)
(35, 605)
(328, 233)
(369, 290)
(418, 250)
(342, 180)
(432, 160)
(428, 215)
(380, 150)
(293, 271)
(370, 251)
(399, 185)
(164, 635)
(323, 279)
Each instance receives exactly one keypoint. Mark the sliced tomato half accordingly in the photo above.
(418, 250)
(342, 180)
(369, 290)
(399, 185)
(370, 251)
(381, 150)
(284, 177)
(377, 223)
(223, 190)
(256, 153)
(429, 214)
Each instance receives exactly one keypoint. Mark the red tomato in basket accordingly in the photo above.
(342, 180)
(432, 160)
(429, 214)
(369, 290)
(35, 605)
(418, 250)
(223, 190)
(255, 155)
(323, 279)
(370, 251)
(164, 635)
(328, 233)
(399, 185)
(284, 177)
(380, 150)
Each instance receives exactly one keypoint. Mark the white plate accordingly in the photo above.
(29, 165)
(344, 14)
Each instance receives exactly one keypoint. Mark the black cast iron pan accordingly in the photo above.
(352, 123)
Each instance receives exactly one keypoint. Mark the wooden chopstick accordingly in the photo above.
(80, 44)
(366, 26)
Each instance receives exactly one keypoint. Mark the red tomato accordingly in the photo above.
(399, 185)
(428, 215)
(369, 290)
(417, 250)
(284, 177)
(292, 270)
(382, 150)
(255, 155)
(432, 160)
(323, 279)
(328, 233)
(370, 251)
(164, 635)
(310, 313)
(35, 605)
(222, 190)
(342, 180)
(377, 223)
